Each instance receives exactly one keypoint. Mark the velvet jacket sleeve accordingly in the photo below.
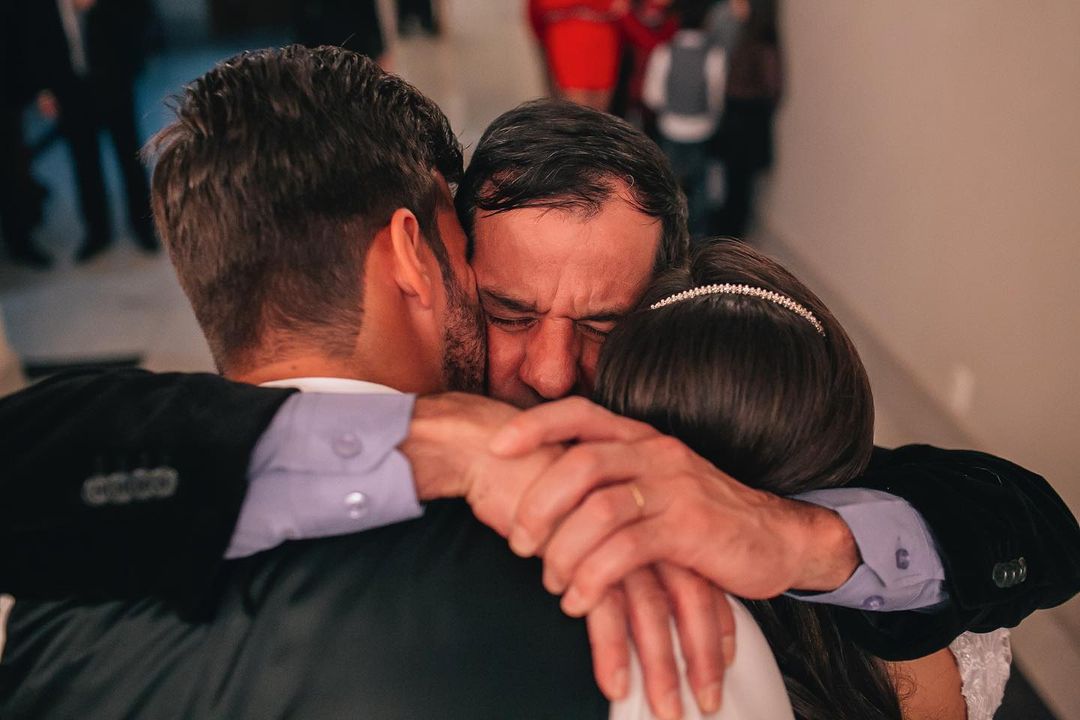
(125, 483)
(1008, 543)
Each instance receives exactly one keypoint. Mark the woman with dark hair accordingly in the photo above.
(744, 364)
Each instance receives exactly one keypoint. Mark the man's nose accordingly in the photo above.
(550, 366)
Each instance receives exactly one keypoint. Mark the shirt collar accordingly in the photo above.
(332, 385)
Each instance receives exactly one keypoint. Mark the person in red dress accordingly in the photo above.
(580, 40)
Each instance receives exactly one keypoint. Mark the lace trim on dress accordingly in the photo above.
(984, 660)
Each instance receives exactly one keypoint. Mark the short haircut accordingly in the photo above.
(555, 154)
(272, 181)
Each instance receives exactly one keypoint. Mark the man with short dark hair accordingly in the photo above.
(599, 216)
(271, 234)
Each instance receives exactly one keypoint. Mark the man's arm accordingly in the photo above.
(1008, 543)
(128, 483)
(125, 483)
(132, 484)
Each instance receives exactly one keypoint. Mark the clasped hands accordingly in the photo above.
(633, 527)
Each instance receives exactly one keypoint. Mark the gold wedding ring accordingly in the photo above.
(639, 499)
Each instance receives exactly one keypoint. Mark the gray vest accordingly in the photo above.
(433, 618)
(687, 91)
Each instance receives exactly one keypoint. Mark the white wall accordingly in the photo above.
(929, 175)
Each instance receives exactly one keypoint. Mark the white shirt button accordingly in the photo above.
(347, 445)
(874, 602)
(356, 502)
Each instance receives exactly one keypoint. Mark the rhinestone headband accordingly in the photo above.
(748, 290)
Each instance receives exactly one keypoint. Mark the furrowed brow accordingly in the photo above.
(508, 303)
(602, 316)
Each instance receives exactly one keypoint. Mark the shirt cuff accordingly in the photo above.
(328, 464)
(901, 568)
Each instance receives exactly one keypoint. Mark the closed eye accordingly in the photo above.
(593, 332)
(511, 324)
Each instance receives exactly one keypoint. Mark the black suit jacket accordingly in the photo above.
(63, 442)
(434, 618)
(117, 38)
(983, 511)
(46, 53)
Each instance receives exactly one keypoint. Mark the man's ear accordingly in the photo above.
(412, 275)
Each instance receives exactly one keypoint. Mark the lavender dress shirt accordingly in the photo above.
(328, 464)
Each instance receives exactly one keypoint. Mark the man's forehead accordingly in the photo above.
(539, 262)
(618, 232)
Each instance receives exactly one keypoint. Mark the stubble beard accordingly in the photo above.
(464, 342)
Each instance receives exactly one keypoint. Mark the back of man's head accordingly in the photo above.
(269, 186)
(555, 154)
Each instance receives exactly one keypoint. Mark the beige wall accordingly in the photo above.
(929, 171)
(928, 176)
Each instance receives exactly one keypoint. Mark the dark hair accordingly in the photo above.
(278, 171)
(753, 386)
(556, 154)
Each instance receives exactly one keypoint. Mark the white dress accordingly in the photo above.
(754, 688)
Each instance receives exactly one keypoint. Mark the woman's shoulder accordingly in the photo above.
(965, 680)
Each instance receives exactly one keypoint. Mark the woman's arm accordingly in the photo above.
(929, 688)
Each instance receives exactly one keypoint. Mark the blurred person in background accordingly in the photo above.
(117, 36)
(648, 24)
(725, 22)
(352, 24)
(580, 42)
(86, 55)
(58, 67)
(745, 140)
(684, 86)
(21, 196)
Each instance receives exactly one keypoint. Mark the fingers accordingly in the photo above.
(726, 618)
(603, 512)
(650, 624)
(635, 546)
(609, 639)
(561, 421)
(564, 485)
(701, 627)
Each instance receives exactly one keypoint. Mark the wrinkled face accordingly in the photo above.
(463, 330)
(552, 283)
